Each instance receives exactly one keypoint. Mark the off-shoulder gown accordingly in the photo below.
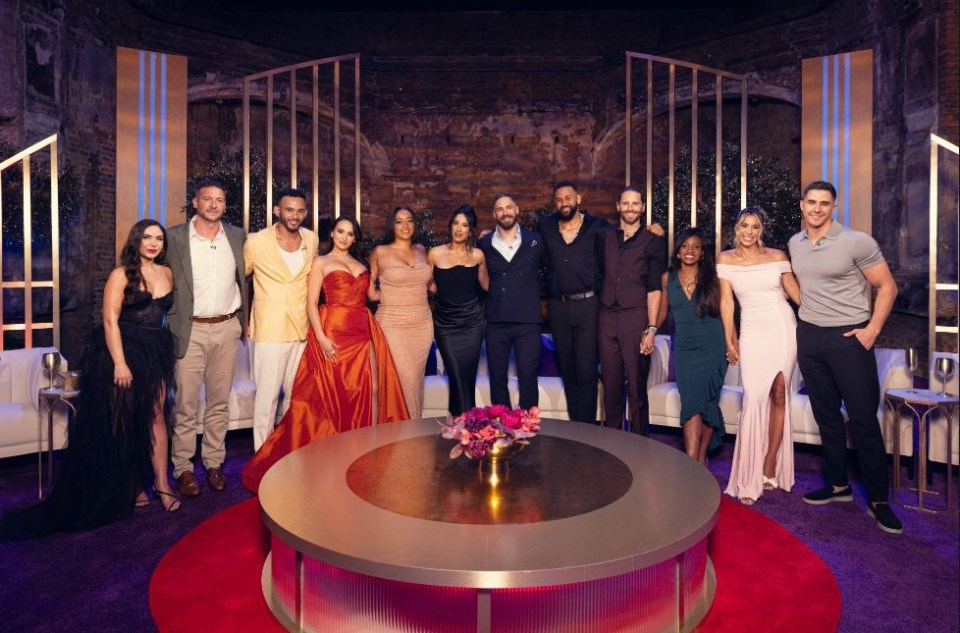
(768, 346)
(333, 397)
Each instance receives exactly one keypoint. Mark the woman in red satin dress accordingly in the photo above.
(346, 378)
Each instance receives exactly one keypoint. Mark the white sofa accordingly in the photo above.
(21, 378)
(892, 373)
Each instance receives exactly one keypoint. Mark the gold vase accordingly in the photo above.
(495, 463)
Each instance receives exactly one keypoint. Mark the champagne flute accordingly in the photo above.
(913, 362)
(944, 371)
(51, 362)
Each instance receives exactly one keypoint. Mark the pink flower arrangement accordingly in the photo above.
(482, 429)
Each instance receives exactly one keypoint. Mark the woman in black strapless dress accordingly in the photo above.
(459, 321)
(118, 439)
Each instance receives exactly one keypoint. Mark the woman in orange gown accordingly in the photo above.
(346, 378)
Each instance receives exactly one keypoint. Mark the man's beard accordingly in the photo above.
(566, 215)
(503, 223)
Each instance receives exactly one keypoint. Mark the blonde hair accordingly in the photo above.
(758, 213)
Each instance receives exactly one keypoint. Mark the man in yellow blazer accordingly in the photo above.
(279, 257)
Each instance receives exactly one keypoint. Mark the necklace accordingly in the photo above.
(572, 229)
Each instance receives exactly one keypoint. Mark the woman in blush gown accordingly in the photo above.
(118, 439)
(403, 273)
(346, 378)
(459, 320)
(691, 292)
(767, 353)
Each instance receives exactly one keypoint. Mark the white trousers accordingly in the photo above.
(274, 366)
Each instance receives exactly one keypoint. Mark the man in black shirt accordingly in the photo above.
(633, 261)
(571, 240)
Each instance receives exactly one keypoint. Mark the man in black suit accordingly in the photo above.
(513, 303)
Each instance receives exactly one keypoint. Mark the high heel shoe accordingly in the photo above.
(174, 505)
(770, 483)
(142, 500)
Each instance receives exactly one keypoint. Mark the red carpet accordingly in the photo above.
(767, 580)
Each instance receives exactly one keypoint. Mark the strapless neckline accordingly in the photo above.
(347, 272)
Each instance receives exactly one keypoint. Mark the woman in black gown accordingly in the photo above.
(459, 322)
(119, 436)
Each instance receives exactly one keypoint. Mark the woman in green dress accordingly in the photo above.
(691, 291)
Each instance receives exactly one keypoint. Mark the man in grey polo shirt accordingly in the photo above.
(836, 332)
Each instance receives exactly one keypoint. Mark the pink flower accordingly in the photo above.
(497, 411)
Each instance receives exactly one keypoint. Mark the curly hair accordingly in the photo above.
(130, 255)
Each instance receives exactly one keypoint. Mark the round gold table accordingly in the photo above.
(589, 529)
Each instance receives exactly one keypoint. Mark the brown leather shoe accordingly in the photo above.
(187, 484)
(216, 479)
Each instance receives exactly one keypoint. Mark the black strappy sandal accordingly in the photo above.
(173, 507)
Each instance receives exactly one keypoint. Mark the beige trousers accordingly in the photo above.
(210, 361)
(274, 366)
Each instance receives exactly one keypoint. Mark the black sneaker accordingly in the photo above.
(827, 495)
(886, 519)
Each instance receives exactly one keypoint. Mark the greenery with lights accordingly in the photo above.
(770, 185)
(12, 183)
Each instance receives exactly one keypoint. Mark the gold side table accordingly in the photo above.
(921, 403)
(50, 397)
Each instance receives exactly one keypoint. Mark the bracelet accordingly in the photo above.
(652, 328)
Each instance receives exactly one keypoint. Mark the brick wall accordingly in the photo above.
(456, 106)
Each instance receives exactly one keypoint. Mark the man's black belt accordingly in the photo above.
(577, 296)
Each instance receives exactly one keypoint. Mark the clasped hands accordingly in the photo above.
(733, 353)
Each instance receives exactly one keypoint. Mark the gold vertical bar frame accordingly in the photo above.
(356, 136)
(28, 284)
(693, 148)
(936, 142)
(293, 130)
(628, 120)
(336, 139)
(649, 195)
(246, 155)
(743, 143)
(27, 257)
(671, 154)
(2, 336)
(718, 170)
(694, 162)
(315, 179)
(934, 220)
(55, 240)
(269, 185)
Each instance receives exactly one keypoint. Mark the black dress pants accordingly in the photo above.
(574, 327)
(524, 338)
(619, 334)
(837, 369)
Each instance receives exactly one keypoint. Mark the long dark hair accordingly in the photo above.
(391, 234)
(470, 214)
(706, 296)
(355, 249)
(130, 255)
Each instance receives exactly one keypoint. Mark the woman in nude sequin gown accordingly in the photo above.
(403, 273)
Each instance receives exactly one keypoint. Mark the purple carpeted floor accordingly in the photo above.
(97, 581)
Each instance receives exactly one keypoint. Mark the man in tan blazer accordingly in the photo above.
(279, 257)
